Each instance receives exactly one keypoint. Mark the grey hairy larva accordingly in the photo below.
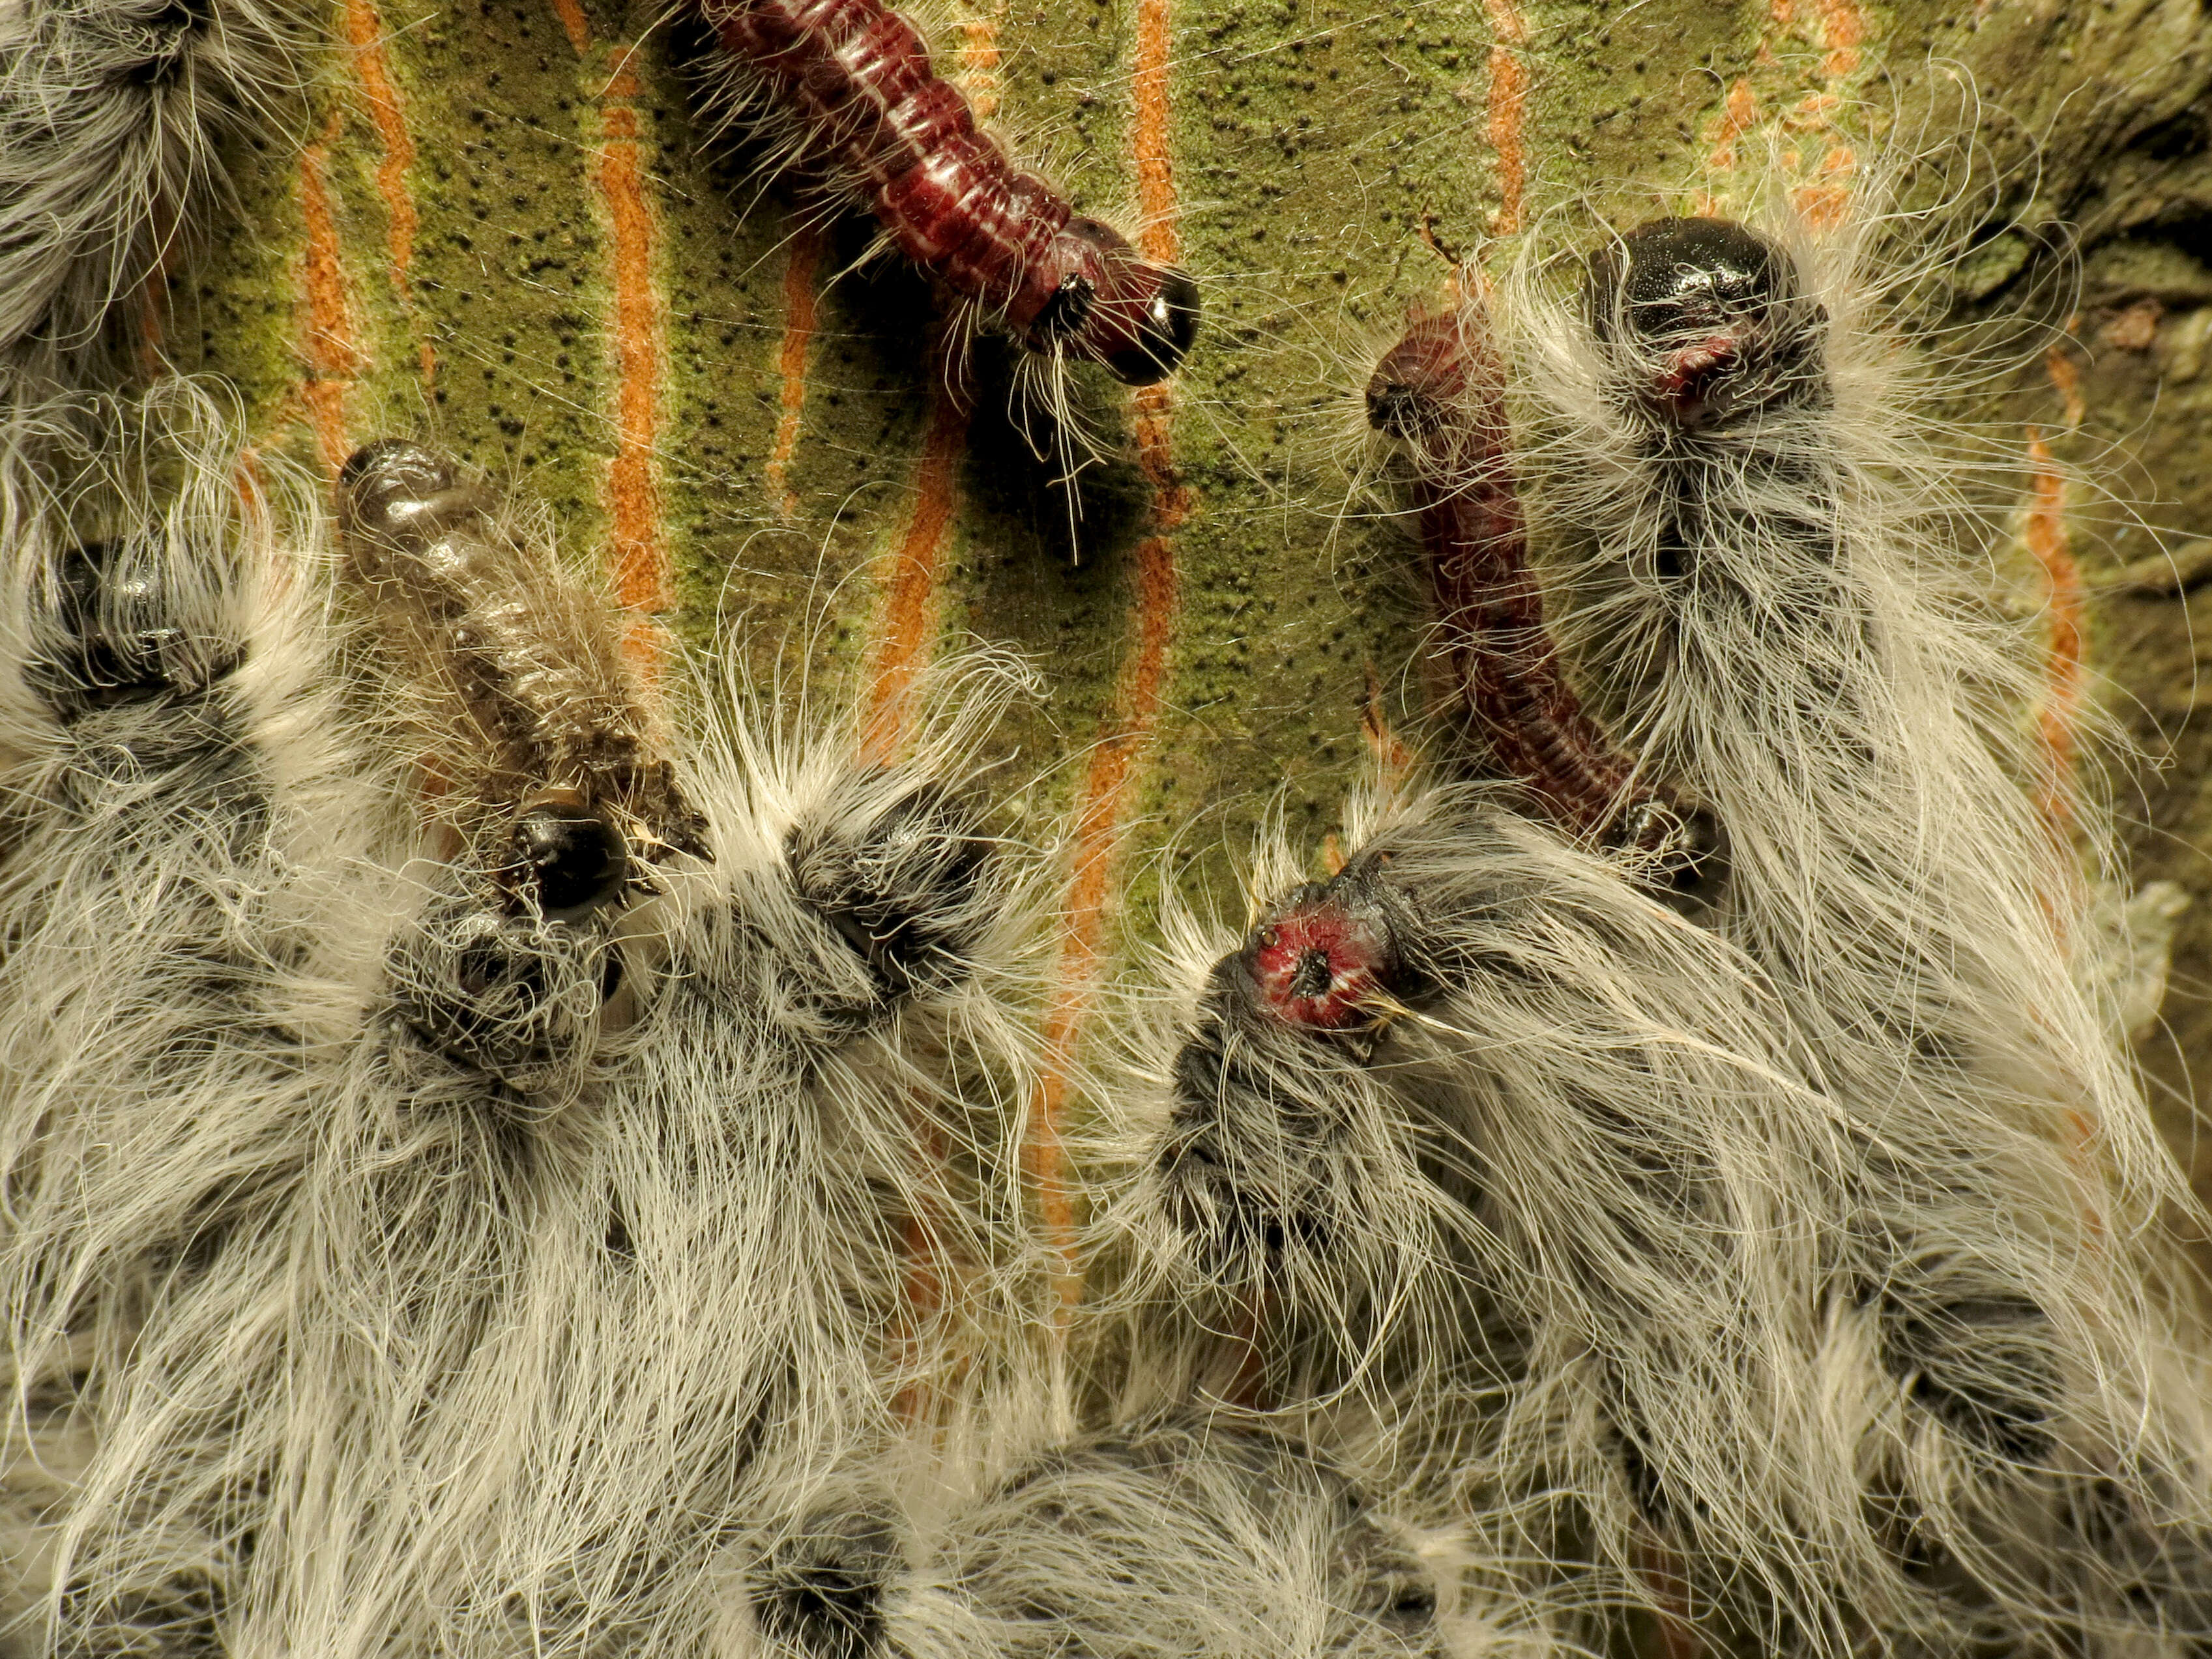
(1508, 1151)
(179, 799)
(1749, 507)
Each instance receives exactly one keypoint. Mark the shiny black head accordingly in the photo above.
(112, 635)
(1167, 323)
(907, 888)
(569, 860)
(388, 470)
(1708, 315)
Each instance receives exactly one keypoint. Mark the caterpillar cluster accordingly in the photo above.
(512, 1139)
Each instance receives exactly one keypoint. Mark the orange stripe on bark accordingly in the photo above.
(907, 627)
(1508, 104)
(579, 26)
(1392, 759)
(2058, 712)
(1825, 203)
(1739, 113)
(365, 33)
(1137, 698)
(1097, 829)
(803, 260)
(334, 358)
(640, 550)
(1154, 160)
(1508, 111)
(979, 60)
(2066, 377)
(1843, 32)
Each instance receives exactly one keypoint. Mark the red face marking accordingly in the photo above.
(1321, 962)
(1688, 372)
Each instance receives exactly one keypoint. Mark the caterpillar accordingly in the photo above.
(585, 1196)
(1511, 1160)
(1763, 551)
(848, 91)
(1439, 392)
(180, 797)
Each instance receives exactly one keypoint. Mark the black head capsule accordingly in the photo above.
(822, 1591)
(165, 54)
(1167, 323)
(1707, 315)
(569, 859)
(1419, 383)
(1137, 318)
(908, 889)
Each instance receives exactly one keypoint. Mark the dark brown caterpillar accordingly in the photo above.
(1440, 392)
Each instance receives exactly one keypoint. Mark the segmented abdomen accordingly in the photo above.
(875, 116)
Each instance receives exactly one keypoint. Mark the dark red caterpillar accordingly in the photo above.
(870, 113)
(1440, 391)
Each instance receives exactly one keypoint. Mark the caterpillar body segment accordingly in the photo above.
(181, 934)
(509, 666)
(111, 113)
(849, 88)
(1439, 393)
(1186, 1537)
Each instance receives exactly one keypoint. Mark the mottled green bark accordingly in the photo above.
(1321, 150)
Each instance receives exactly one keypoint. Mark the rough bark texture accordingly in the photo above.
(509, 232)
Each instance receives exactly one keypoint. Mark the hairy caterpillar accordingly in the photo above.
(1183, 1537)
(2009, 1442)
(848, 89)
(1518, 1154)
(1497, 1143)
(586, 1205)
(109, 114)
(1760, 554)
(180, 799)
